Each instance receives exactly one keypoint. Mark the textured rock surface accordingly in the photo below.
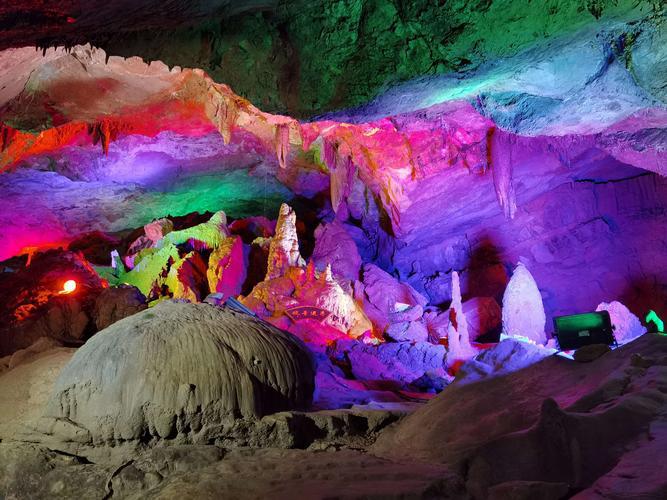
(34, 307)
(313, 56)
(507, 356)
(116, 303)
(591, 352)
(211, 472)
(458, 339)
(562, 151)
(227, 268)
(177, 370)
(549, 421)
(335, 246)
(380, 294)
(404, 362)
(523, 312)
(284, 247)
(626, 325)
(187, 278)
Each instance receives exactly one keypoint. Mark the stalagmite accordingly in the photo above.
(523, 311)
(284, 248)
(457, 331)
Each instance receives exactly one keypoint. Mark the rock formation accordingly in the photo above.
(427, 147)
(187, 278)
(523, 312)
(626, 325)
(335, 246)
(178, 371)
(457, 331)
(116, 303)
(227, 268)
(553, 422)
(284, 248)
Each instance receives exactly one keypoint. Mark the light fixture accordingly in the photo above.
(68, 287)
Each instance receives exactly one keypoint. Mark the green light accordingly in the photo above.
(652, 317)
(588, 321)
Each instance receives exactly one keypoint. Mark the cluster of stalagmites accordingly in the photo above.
(352, 314)
(184, 369)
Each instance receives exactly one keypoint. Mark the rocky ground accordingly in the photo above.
(555, 429)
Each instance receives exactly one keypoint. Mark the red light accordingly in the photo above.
(68, 287)
(71, 20)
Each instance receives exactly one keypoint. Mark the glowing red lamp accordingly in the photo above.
(68, 287)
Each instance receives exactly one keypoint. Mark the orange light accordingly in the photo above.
(69, 286)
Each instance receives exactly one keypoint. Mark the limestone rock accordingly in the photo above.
(379, 292)
(626, 325)
(458, 339)
(556, 421)
(133, 254)
(187, 278)
(207, 235)
(406, 313)
(483, 315)
(523, 311)
(326, 293)
(403, 362)
(116, 303)
(507, 356)
(149, 274)
(226, 268)
(157, 229)
(335, 246)
(284, 248)
(23, 355)
(178, 369)
(411, 331)
(591, 352)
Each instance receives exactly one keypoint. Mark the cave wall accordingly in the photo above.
(308, 57)
(585, 241)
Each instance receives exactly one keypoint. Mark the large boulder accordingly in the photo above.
(116, 303)
(401, 362)
(383, 295)
(179, 370)
(627, 326)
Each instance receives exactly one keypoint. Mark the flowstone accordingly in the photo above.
(179, 370)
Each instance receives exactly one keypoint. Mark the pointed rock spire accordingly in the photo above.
(523, 311)
(284, 248)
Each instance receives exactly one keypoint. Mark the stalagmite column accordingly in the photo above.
(284, 248)
(459, 340)
(523, 311)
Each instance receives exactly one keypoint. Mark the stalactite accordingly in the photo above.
(501, 147)
(282, 144)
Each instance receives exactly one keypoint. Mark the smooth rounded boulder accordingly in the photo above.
(180, 370)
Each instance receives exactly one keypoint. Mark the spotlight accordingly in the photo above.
(68, 287)
(578, 330)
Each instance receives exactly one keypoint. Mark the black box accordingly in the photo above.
(578, 330)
